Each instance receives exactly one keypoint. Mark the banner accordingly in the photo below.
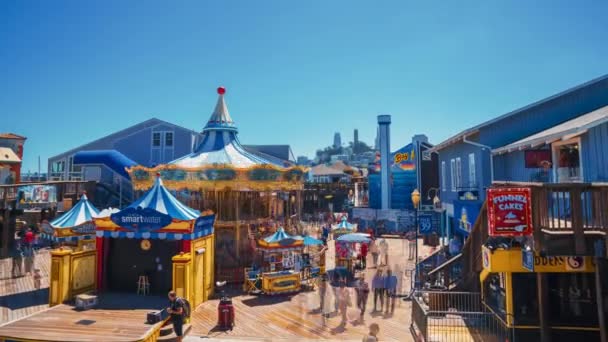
(142, 220)
(509, 212)
(366, 214)
(204, 223)
(36, 196)
(465, 215)
(429, 222)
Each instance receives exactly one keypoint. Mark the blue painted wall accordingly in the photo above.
(594, 150)
(512, 167)
(404, 181)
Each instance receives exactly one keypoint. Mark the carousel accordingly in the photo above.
(348, 247)
(344, 227)
(75, 228)
(249, 192)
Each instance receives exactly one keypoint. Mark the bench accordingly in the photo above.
(85, 301)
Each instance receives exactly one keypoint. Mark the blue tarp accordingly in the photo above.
(113, 159)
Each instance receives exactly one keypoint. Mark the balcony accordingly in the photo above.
(62, 176)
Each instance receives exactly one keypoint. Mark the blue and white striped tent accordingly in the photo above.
(344, 225)
(281, 241)
(82, 213)
(161, 200)
(219, 143)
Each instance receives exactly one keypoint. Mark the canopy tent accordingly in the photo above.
(354, 238)
(160, 202)
(75, 224)
(344, 225)
(107, 212)
(220, 161)
(281, 241)
(310, 241)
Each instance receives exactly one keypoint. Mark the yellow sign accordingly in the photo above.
(403, 157)
(501, 260)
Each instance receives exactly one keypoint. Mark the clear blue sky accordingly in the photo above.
(296, 71)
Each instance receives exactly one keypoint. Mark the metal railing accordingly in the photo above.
(455, 316)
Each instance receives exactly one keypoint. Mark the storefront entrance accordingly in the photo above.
(127, 261)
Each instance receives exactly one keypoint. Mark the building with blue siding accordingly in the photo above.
(555, 128)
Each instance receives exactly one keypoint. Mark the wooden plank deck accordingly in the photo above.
(18, 297)
(294, 317)
(109, 323)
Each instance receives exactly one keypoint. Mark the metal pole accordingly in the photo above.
(120, 193)
(416, 276)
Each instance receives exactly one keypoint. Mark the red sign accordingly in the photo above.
(509, 212)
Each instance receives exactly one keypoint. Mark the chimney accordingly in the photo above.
(384, 122)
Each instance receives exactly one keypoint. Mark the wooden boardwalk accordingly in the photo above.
(119, 317)
(18, 297)
(294, 317)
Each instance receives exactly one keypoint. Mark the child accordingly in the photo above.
(37, 278)
(373, 333)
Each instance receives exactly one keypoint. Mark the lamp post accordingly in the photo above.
(416, 202)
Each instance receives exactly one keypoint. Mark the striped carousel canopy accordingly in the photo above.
(344, 225)
(280, 240)
(161, 200)
(220, 144)
(80, 214)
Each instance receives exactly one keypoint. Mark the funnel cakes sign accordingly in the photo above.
(509, 212)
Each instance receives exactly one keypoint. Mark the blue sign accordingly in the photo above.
(142, 220)
(465, 215)
(204, 223)
(429, 223)
(527, 260)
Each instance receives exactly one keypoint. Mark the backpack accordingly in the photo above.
(186, 310)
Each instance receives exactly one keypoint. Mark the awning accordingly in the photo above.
(8, 156)
(564, 131)
(154, 235)
(71, 238)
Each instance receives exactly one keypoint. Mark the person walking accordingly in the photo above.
(322, 293)
(364, 249)
(374, 329)
(17, 256)
(390, 286)
(373, 248)
(176, 310)
(344, 302)
(411, 237)
(378, 288)
(362, 295)
(384, 252)
(28, 259)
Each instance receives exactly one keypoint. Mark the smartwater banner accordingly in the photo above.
(142, 220)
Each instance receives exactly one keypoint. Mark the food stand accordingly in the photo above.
(279, 273)
(346, 251)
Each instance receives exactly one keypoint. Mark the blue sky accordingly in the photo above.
(296, 72)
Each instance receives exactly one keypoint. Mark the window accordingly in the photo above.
(458, 174)
(472, 171)
(443, 176)
(156, 139)
(168, 139)
(567, 161)
(453, 174)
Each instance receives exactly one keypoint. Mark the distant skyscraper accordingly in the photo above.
(337, 140)
(356, 142)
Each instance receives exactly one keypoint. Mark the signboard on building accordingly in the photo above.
(527, 260)
(36, 196)
(86, 228)
(203, 223)
(509, 212)
(143, 220)
(429, 222)
(366, 214)
(465, 215)
(469, 195)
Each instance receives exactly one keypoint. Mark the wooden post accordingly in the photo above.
(577, 221)
(4, 244)
(237, 226)
(600, 271)
(543, 307)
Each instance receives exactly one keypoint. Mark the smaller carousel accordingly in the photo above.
(344, 227)
(348, 251)
(75, 228)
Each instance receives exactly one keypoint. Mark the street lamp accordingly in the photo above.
(416, 202)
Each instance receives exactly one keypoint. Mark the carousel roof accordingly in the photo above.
(161, 200)
(279, 236)
(344, 225)
(281, 241)
(80, 213)
(354, 238)
(219, 143)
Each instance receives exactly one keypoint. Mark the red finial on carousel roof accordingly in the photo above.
(158, 174)
(221, 90)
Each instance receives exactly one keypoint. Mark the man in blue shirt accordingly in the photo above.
(390, 284)
(378, 286)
